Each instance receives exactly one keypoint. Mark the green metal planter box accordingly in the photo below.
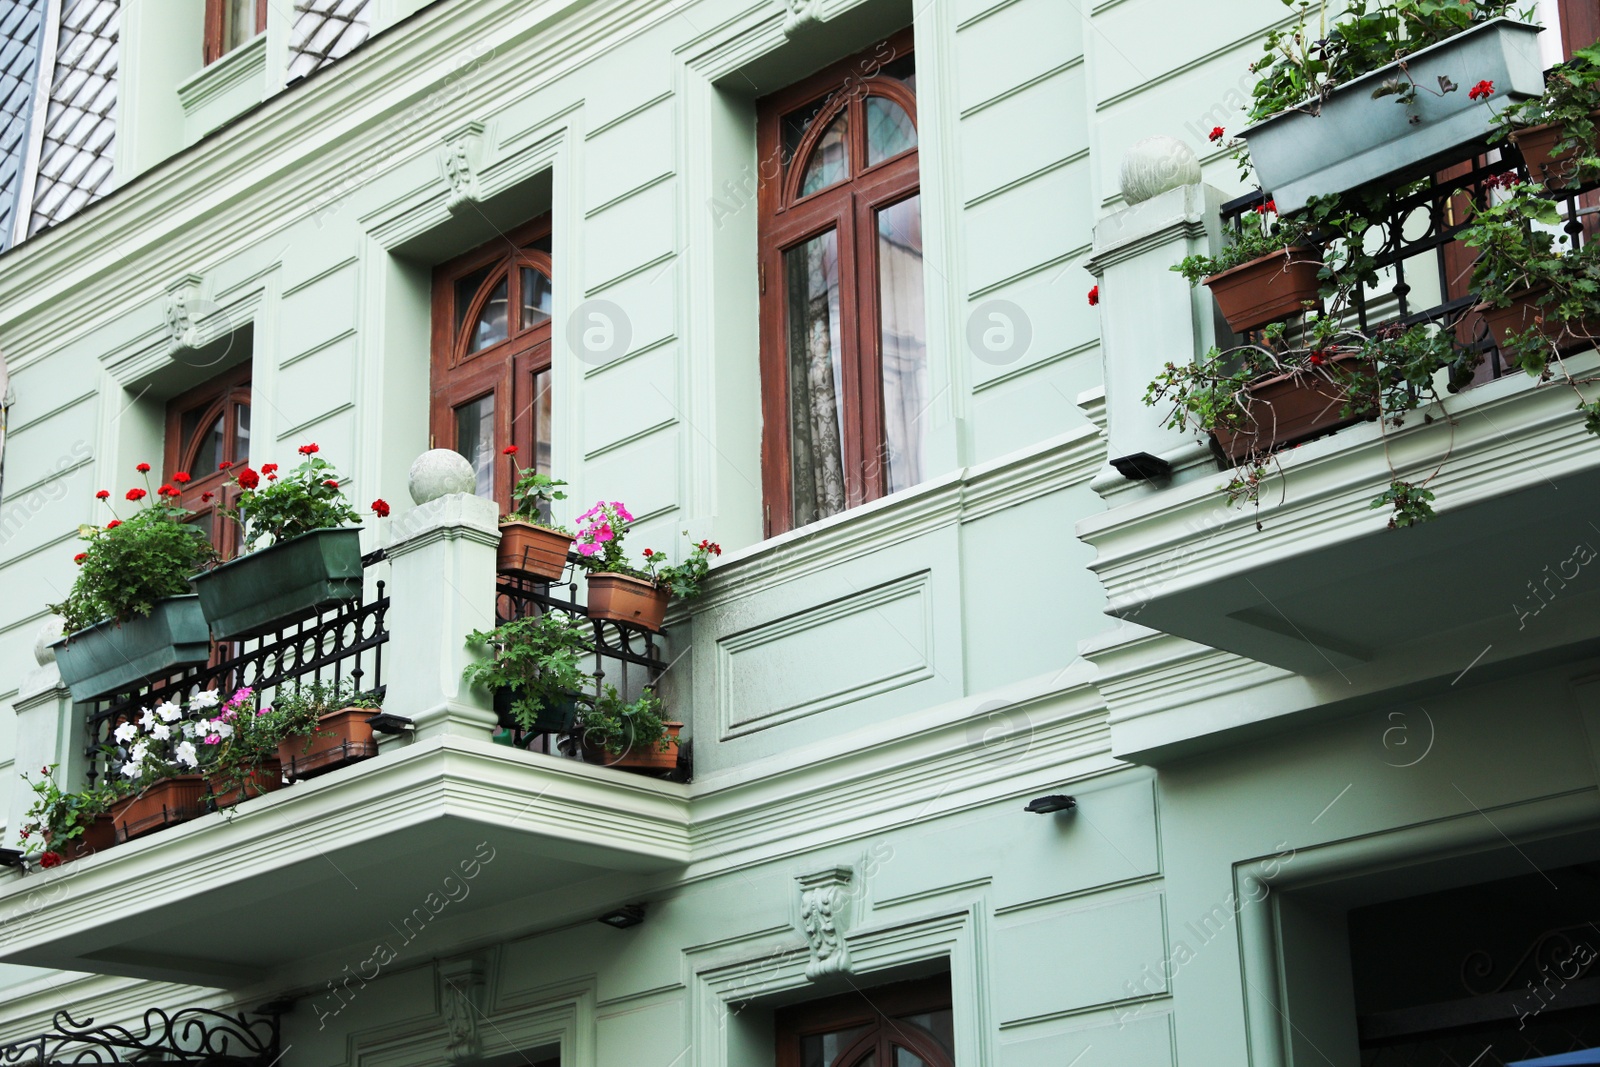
(282, 584)
(1357, 139)
(107, 658)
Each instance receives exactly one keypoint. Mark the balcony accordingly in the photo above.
(1300, 573)
(488, 817)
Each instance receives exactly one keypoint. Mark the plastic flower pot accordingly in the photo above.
(1538, 147)
(556, 717)
(1285, 409)
(1524, 314)
(281, 584)
(341, 737)
(166, 803)
(1270, 289)
(639, 757)
(1355, 139)
(624, 598)
(532, 550)
(100, 834)
(107, 658)
(265, 778)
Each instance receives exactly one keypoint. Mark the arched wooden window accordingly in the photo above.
(491, 356)
(843, 338)
(231, 23)
(207, 427)
(905, 1025)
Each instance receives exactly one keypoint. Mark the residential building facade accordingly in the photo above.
(1008, 739)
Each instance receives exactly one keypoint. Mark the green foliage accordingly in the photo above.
(536, 658)
(1412, 504)
(684, 579)
(295, 710)
(306, 499)
(532, 496)
(1251, 241)
(1571, 96)
(58, 817)
(128, 565)
(237, 741)
(620, 727)
(1591, 416)
(1306, 62)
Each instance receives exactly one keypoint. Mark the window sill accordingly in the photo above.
(224, 90)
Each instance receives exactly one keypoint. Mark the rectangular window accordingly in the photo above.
(910, 1024)
(208, 432)
(231, 23)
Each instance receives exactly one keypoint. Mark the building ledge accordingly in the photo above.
(346, 859)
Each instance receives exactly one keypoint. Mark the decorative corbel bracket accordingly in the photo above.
(183, 313)
(462, 984)
(803, 14)
(825, 915)
(461, 159)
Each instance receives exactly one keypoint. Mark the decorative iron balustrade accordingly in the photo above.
(187, 1036)
(337, 645)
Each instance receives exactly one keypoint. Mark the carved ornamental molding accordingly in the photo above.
(825, 914)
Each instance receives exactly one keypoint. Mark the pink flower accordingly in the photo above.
(588, 549)
(603, 534)
(213, 739)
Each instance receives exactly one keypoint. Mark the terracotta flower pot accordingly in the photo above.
(1275, 287)
(1537, 145)
(1525, 314)
(640, 758)
(262, 779)
(532, 550)
(341, 737)
(624, 598)
(1286, 409)
(98, 835)
(170, 801)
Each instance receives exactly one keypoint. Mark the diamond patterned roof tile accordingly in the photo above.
(80, 127)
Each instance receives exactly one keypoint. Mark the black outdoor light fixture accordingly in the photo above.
(625, 916)
(385, 723)
(1142, 467)
(11, 857)
(1050, 804)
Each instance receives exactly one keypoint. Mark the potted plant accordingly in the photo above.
(621, 592)
(1389, 89)
(62, 826)
(322, 726)
(299, 553)
(1555, 131)
(529, 544)
(1265, 272)
(158, 766)
(534, 673)
(239, 750)
(630, 735)
(131, 615)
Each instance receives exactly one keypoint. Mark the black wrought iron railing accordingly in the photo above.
(339, 645)
(618, 654)
(196, 1036)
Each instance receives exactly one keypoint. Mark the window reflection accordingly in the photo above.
(904, 342)
(816, 398)
(475, 440)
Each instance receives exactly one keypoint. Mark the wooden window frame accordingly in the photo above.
(458, 377)
(849, 207)
(871, 1007)
(214, 43)
(217, 397)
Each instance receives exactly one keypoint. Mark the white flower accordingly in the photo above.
(168, 711)
(206, 699)
(161, 731)
(131, 769)
(186, 755)
(125, 732)
(140, 751)
(223, 728)
(147, 720)
(189, 729)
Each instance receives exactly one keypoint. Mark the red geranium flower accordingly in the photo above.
(80, 557)
(137, 494)
(1094, 296)
(332, 483)
(113, 524)
(104, 494)
(1318, 358)
(247, 478)
(50, 859)
(268, 468)
(224, 465)
(1215, 135)
(143, 468)
(509, 450)
(1482, 90)
(306, 450)
(167, 490)
(1270, 205)
(380, 508)
(182, 478)
(649, 552)
(205, 498)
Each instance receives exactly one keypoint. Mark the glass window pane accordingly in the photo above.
(890, 130)
(241, 433)
(903, 69)
(795, 125)
(903, 341)
(491, 327)
(938, 1024)
(467, 287)
(475, 440)
(238, 23)
(816, 399)
(541, 422)
(830, 161)
(822, 1050)
(535, 298)
(904, 1057)
(209, 454)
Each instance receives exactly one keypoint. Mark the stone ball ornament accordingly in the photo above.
(1156, 164)
(439, 472)
(51, 632)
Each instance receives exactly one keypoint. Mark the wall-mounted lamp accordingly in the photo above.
(625, 916)
(1143, 467)
(1050, 804)
(10, 857)
(385, 723)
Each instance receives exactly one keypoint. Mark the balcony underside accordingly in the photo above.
(1325, 587)
(373, 853)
